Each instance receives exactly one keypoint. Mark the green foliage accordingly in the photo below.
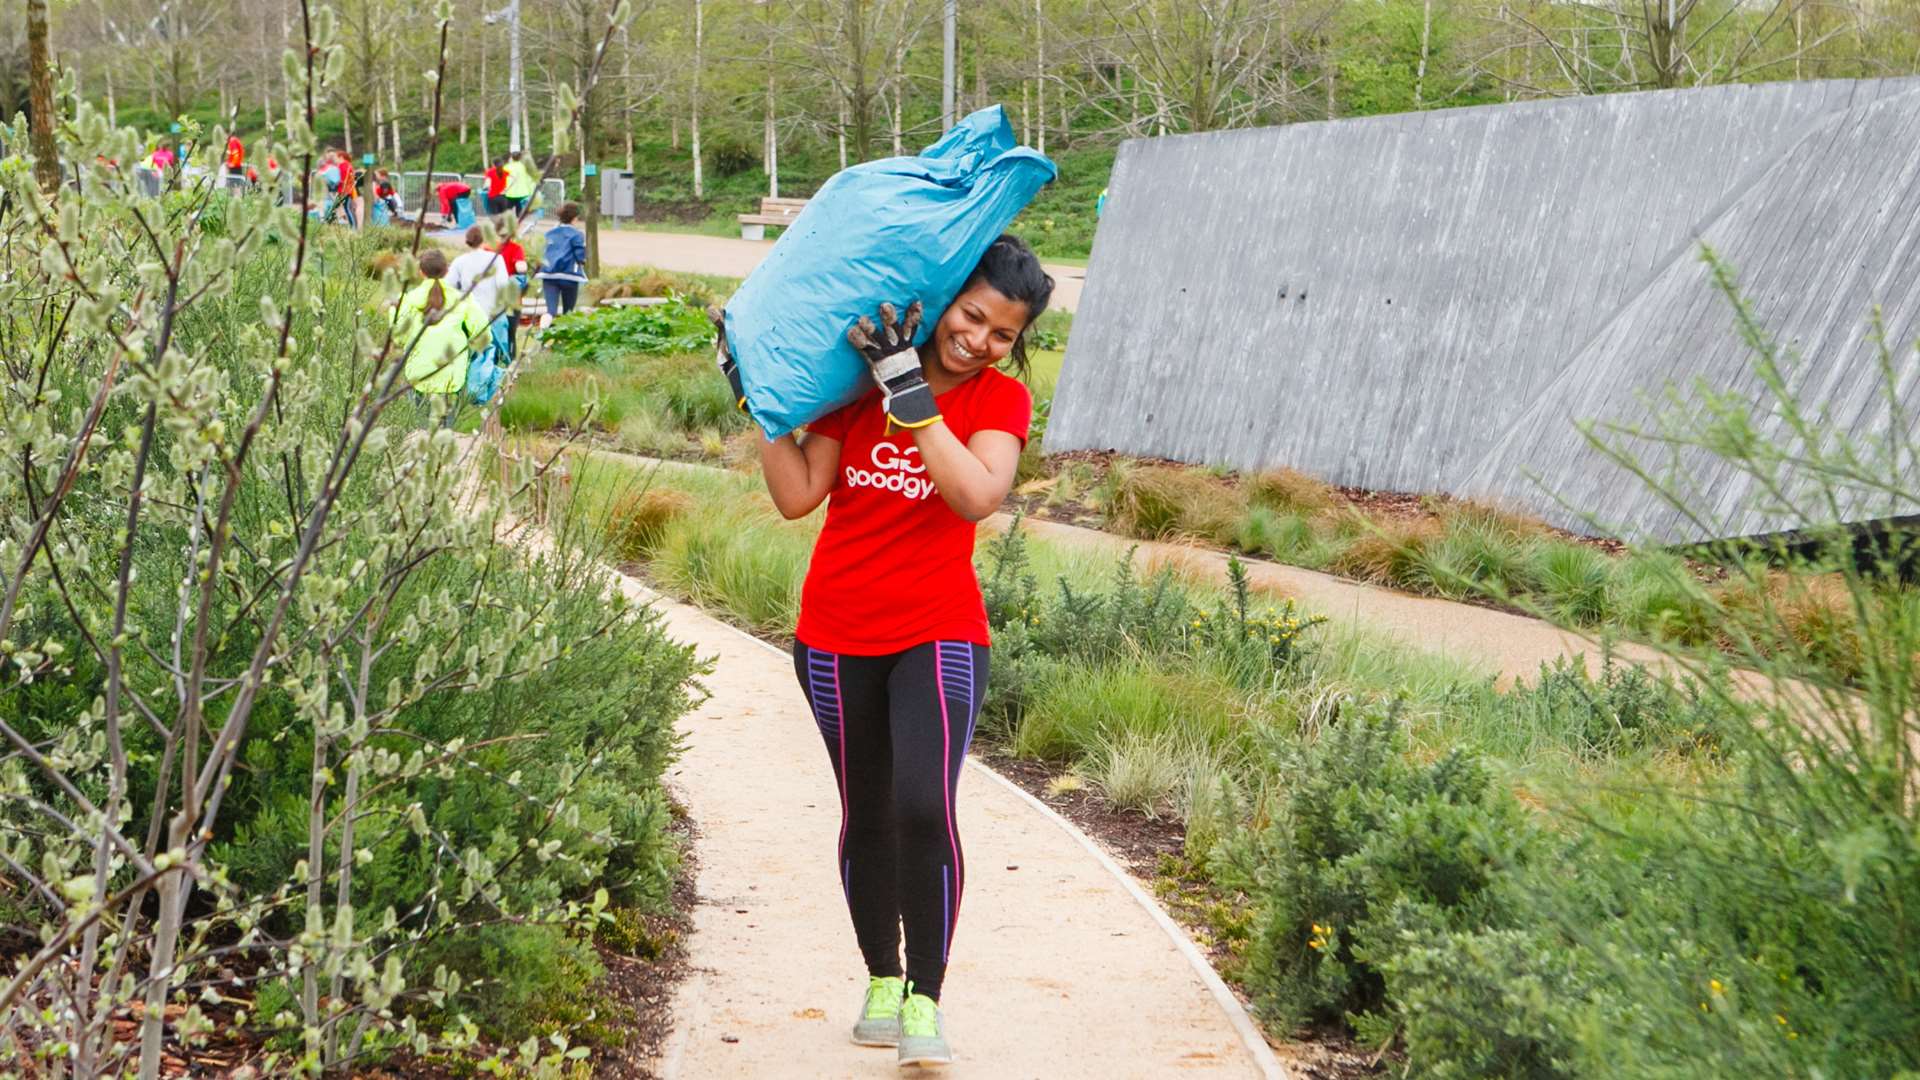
(654, 404)
(603, 334)
(1572, 579)
(425, 749)
(1624, 711)
(1359, 832)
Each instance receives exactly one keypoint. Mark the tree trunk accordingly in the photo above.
(626, 86)
(770, 138)
(1040, 76)
(46, 159)
(112, 117)
(772, 155)
(699, 35)
(589, 141)
(1326, 52)
(843, 132)
(1426, 38)
(393, 114)
(899, 77)
(486, 155)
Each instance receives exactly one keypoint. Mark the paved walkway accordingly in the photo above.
(1060, 969)
(692, 253)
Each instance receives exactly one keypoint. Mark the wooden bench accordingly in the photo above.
(780, 212)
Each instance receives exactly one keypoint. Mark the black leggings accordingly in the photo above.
(897, 730)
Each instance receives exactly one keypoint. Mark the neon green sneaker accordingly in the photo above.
(879, 1023)
(923, 1036)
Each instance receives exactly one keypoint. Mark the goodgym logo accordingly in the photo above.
(893, 469)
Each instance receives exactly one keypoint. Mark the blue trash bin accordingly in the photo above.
(463, 211)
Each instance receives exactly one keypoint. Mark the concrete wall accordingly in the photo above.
(1427, 302)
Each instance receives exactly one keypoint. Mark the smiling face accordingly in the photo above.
(977, 331)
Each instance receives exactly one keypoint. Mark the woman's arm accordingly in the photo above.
(973, 477)
(799, 471)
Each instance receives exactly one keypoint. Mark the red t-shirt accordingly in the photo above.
(511, 255)
(496, 182)
(889, 536)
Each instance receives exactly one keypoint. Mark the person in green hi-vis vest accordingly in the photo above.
(520, 182)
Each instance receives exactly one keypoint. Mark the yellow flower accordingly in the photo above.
(1778, 1019)
(1716, 986)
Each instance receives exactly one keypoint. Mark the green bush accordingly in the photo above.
(1358, 830)
(1572, 580)
(603, 334)
(1625, 710)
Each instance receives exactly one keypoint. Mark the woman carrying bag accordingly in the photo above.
(892, 643)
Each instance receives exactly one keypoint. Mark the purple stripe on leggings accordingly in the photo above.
(946, 917)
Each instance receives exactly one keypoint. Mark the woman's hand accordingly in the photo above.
(895, 364)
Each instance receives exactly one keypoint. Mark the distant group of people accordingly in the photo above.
(465, 309)
(511, 184)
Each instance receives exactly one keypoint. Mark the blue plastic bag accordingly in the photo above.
(899, 229)
(488, 367)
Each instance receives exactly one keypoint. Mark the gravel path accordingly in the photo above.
(696, 254)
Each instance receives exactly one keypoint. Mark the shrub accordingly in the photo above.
(603, 334)
(1155, 502)
(1144, 773)
(1359, 830)
(1284, 534)
(1084, 711)
(1473, 557)
(645, 432)
(1624, 710)
(1657, 595)
(640, 520)
(748, 567)
(1287, 489)
(1387, 552)
(1572, 580)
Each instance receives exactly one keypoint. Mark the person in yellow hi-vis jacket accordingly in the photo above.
(438, 327)
(521, 183)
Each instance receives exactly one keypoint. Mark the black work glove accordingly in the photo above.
(895, 364)
(724, 358)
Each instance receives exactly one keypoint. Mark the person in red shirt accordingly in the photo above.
(514, 257)
(892, 643)
(496, 184)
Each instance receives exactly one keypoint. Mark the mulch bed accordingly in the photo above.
(644, 989)
(1138, 842)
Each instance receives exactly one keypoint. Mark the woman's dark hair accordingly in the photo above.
(568, 212)
(1012, 269)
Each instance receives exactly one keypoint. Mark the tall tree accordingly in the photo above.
(46, 160)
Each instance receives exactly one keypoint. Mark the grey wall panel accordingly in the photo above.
(1425, 302)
